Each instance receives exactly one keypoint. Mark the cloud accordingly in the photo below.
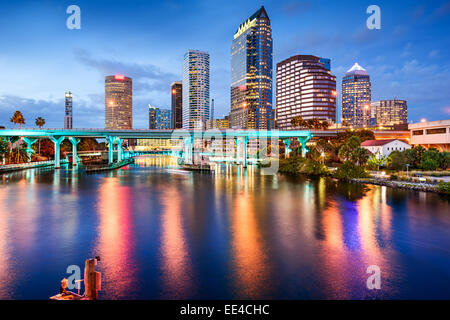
(146, 77)
(87, 113)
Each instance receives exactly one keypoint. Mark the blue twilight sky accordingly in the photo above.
(40, 59)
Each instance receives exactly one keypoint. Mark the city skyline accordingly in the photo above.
(399, 65)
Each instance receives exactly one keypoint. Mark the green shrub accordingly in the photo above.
(350, 171)
(444, 187)
(429, 164)
(393, 177)
(291, 165)
(315, 168)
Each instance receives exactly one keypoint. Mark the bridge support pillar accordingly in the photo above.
(304, 148)
(57, 140)
(241, 150)
(119, 142)
(188, 149)
(29, 142)
(287, 150)
(110, 140)
(74, 142)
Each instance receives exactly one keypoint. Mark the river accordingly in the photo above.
(163, 233)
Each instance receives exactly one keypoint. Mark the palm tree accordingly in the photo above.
(18, 118)
(40, 122)
(316, 124)
(298, 122)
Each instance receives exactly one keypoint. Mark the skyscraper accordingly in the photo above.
(118, 102)
(356, 96)
(68, 120)
(176, 89)
(389, 112)
(159, 118)
(306, 88)
(195, 89)
(251, 74)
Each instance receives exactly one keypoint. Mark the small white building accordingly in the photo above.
(384, 147)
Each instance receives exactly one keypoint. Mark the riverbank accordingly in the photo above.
(349, 172)
(427, 187)
(29, 165)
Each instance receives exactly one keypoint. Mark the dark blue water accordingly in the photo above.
(168, 234)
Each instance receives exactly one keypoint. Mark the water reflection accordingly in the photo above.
(116, 241)
(250, 263)
(7, 274)
(176, 261)
(164, 233)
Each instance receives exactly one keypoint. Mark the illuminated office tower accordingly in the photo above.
(176, 90)
(389, 112)
(159, 118)
(356, 96)
(68, 120)
(195, 89)
(251, 74)
(218, 123)
(305, 87)
(118, 102)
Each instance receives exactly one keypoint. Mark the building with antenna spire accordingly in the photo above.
(68, 117)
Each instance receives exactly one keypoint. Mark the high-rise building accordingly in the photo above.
(389, 112)
(118, 102)
(176, 89)
(195, 89)
(159, 118)
(218, 123)
(68, 119)
(306, 88)
(251, 74)
(356, 96)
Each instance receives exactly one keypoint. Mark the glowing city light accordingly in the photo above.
(119, 77)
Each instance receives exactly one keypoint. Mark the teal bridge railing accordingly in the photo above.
(115, 139)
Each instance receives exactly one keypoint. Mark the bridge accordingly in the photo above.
(116, 138)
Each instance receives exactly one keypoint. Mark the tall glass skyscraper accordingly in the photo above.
(118, 102)
(195, 89)
(176, 91)
(356, 97)
(159, 118)
(251, 74)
